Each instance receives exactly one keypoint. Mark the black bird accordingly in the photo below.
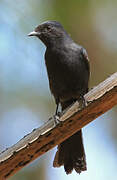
(68, 72)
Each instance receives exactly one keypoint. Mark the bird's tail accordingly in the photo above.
(71, 154)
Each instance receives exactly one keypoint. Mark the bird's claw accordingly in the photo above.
(83, 102)
(56, 119)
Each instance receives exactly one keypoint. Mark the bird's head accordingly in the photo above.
(49, 32)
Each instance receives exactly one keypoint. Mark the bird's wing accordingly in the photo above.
(84, 57)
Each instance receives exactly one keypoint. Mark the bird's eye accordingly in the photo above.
(48, 28)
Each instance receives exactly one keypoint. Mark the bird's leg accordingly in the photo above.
(55, 117)
(57, 113)
(82, 101)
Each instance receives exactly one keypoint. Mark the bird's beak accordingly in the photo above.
(34, 33)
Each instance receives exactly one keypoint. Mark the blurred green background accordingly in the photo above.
(25, 99)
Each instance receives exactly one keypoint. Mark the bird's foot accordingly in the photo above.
(82, 102)
(56, 118)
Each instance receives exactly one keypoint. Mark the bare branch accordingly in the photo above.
(100, 99)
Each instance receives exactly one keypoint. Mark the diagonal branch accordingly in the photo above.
(100, 99)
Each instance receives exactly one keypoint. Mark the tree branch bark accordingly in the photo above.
(99, 100)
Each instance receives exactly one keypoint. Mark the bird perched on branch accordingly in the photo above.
(68, 73)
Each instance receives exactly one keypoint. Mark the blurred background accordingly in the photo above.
(25, 100)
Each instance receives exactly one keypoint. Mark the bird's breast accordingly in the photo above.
(67, 74)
